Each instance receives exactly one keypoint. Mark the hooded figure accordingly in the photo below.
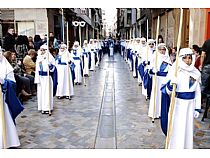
(187, 101)
(77, 54)
(11, 104)
(91, 47)
(122, 47)
(126, 51)
(86, 58)
(111, 48)
(145, 66)
(65, 80)
(135, 54)
(141, 58)
(163, 64)
(137, 59)
(130, 58)
(43, 64)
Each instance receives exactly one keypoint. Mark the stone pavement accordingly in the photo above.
(109, 112)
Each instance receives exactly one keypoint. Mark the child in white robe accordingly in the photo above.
(187, 101)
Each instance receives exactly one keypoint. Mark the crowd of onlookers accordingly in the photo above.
(21, 52)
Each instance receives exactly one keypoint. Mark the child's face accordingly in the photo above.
(187, 59)
(162, 51)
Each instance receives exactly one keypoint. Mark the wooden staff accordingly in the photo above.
(48, 74)
(155, 77)
(80, 40)
(3, 118)
(147, 44)
(172, 103)
(62, 24)
(68, 59)
(98, 46)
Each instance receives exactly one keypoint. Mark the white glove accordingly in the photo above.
(154, 70)
(1, 81)
(173, 80)
(196, 114)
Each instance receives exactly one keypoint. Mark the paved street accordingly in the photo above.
(109, 112)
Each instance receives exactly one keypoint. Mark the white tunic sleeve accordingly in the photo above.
(198, 97)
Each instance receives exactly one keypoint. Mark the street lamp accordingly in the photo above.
(80, 24)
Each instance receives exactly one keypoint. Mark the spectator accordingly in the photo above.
(21, 82)
(30, 45)
(160, 39)
(197, 52)
(30, 39)
(26, 81)
(53, 42)
(173, 54)
(21, 47)
(37, 42)
(28, 63)
(9, 40)
(205, 66)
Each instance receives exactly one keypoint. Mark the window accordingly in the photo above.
(26, 28)
(128, 18)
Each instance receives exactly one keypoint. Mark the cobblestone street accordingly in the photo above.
(110, 112)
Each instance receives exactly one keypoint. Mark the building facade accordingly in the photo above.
(41, 21)
(196, 24)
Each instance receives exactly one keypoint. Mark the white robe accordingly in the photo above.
(97, 48)
(143, 57)
(182, 118)
(134, 61)
(92, 54)
(111, 48)
(137, 49)
(130, 46)
(6, 72)
(160, 80)
(77, 70)
(44, 95)
(65, 85)
(86, 61)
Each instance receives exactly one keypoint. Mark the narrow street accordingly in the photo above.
(110, 112)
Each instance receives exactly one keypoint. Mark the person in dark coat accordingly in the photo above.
(37, 42)
(9, 40)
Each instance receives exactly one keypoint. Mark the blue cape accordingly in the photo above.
(54, 76)
(165, 104)
(14, 104)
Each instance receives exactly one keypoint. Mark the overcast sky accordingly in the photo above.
(110, 13)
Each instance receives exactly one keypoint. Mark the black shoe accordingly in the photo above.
(59, 97)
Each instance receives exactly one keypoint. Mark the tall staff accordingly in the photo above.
(62, 23)
(48, 74)
(155, 76)
(68, 66)
(81, 24)
(172, 103)
(147, 44)
(98, 46)
(3, 118)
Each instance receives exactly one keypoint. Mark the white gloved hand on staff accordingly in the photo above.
(174, 80)
(154, 70)
(1, 81)
(196, 114)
